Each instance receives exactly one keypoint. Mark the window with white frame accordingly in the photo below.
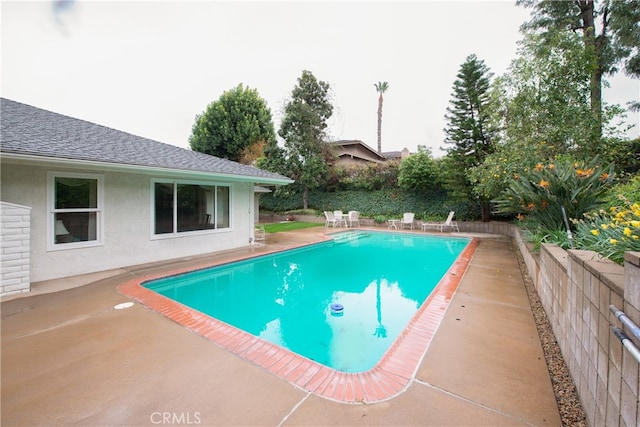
(75, 206)
(180, 207)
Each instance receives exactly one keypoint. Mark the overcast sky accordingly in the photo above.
(148, 67)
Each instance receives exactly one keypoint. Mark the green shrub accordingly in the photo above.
(629, 190)
(379, 219)
(433, 204)
(539, 235)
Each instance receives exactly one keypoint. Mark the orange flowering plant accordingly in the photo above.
(540, 193)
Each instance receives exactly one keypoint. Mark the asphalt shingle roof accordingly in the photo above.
(27, 130)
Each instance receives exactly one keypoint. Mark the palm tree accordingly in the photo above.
(381, 87)
(381, 330)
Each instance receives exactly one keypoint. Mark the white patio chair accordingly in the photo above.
(341, 218)
(330, 219)
(259, 233)
(449, 223)
(354, 218)
(407, 220)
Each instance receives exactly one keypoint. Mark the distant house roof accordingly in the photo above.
(396, 155)
(363, 151)
(28, 132)
(392, 154)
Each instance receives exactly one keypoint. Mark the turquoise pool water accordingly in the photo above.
(380, 279)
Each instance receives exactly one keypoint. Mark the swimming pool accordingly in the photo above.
(340, 303)
(389, 377)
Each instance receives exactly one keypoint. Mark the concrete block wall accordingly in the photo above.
(576, 289)
(15, 229)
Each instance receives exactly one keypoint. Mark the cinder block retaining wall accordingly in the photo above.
(15, 230)
(576, 288)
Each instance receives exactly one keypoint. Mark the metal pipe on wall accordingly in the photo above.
(631, 326)
(627, 343)
(628, 323)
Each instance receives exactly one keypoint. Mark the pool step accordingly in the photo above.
(349, 236)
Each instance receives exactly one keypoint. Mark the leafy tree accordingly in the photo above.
(250, 155)
(624, 20)
(618, 22)
(624, 17)
(549, 96)
(381, 88)
(469, 132)
(234, 127)
(494, 175)
(273, 159)
(544, 112)
(419, 172)
(303, 126)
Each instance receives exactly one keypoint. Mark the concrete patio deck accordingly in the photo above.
(68, 357)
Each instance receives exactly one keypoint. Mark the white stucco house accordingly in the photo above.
(77, 198)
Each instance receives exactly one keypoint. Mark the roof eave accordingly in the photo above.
(149, 170)
(360, 143)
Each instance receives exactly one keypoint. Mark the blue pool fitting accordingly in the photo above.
(337, 308)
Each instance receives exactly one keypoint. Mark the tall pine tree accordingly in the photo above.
(469, 134)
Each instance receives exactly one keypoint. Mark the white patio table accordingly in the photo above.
(393, 223)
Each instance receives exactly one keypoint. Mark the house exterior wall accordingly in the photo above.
(359, 151)
(256, 209)
(14, 249)
(347, 160)
(127, 219)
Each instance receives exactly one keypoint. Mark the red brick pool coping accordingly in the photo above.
(389, 377)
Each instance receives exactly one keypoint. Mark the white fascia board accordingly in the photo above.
(147, 170)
